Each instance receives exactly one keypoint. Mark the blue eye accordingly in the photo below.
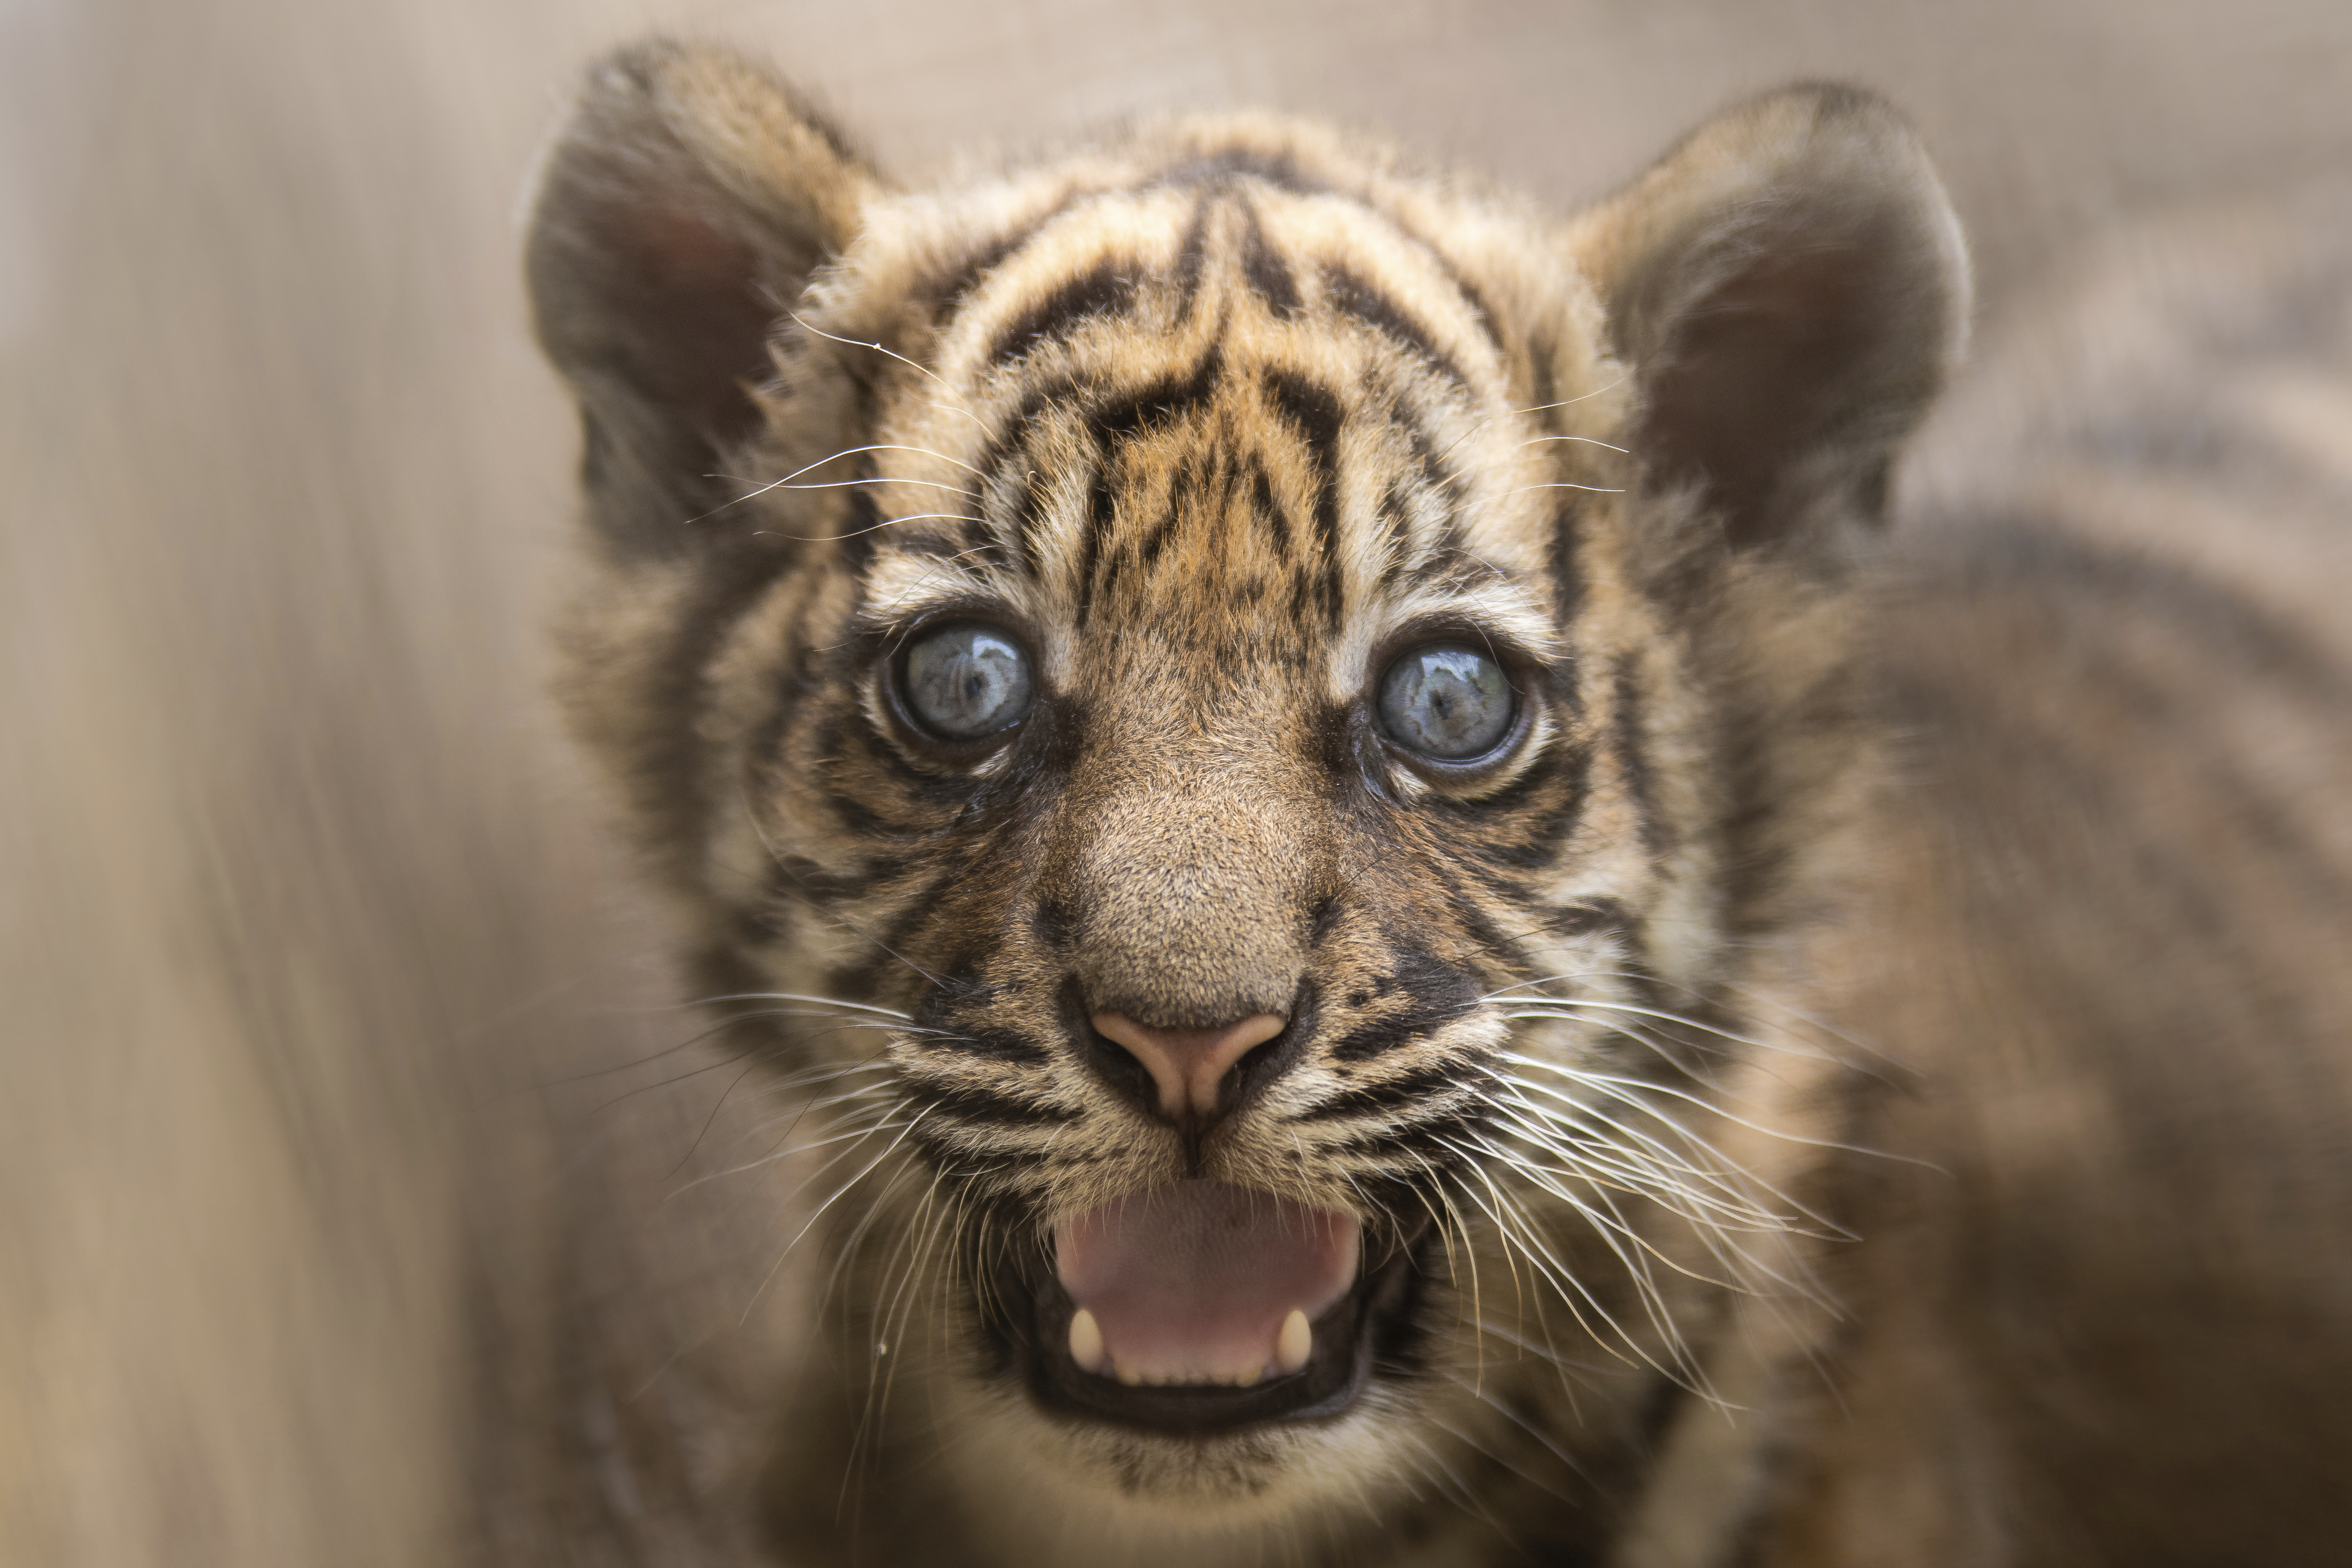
(963, 681)
(1446, 700)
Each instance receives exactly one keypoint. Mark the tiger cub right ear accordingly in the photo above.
(680, 212)
(1790, 289)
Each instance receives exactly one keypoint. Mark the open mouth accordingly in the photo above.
(1202, 1306)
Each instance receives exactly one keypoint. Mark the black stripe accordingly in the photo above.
(978, 1107)
(865, 977)
(1314, 411)
(992, 812)
(1378, 1036)
(2172, 719)
(1102, 514)
(733, 582)
(1463, 285)
(1434, 993)
(1191, 252)
(990, 1045)
(1430, 463)
(1267, 275)
(1114, 418)
(1028, 519)
(1543, 388)
(1156, 404)
(1106, 289)
(861, 530)
(1628, 740)
(1441, 562)
(1148, 552)
(1567, 567)
(1396, 523)
(1539, 844)
(1351, 296)
(1277, 169)
(1404, 1089)
(1474, 921)
(1418, 1146)
(948, 292)
(2271, 825)
(793, 877)
(1590, 915)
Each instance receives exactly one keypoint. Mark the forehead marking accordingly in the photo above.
(1185, 377)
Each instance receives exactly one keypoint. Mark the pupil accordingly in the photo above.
(967, 681)
(1448, 702)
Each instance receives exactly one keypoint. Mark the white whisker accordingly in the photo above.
(855, 343)
(1586, 440)
(1579, 397)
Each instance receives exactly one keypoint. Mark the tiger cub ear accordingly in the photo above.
(1790, 287)
(679, 215)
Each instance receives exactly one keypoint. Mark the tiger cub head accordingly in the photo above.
(1274, 698)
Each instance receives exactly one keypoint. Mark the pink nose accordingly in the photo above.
(1187, 1065)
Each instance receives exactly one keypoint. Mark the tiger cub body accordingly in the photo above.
(1287, 753)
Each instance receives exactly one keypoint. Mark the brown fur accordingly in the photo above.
(1155, 408)
(2108, 1322)
(1214, 420)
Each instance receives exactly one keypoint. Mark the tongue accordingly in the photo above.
(1198, 1282)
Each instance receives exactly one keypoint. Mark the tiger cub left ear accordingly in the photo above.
(681, 210)
(1790, 289)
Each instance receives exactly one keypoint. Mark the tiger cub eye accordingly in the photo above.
(964, 681)
(1446, 700)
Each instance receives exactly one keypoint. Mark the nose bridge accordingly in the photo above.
(1193, 890)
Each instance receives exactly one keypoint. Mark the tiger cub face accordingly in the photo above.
(1275, 700)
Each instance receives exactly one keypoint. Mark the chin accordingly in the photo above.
(1136, 1494)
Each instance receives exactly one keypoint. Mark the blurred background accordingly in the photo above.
(301, 897)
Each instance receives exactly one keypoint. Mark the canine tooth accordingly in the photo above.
(1294, 1344)
(1086, 1341)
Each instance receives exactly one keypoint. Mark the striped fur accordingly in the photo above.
(1214, 420)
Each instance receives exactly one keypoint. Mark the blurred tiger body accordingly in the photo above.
(1213, 428)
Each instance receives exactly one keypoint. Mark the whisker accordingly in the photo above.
(787, 482)
(957, 409)
(1646, 1087)
(1486, 1399)
(1587, 440)
(872, 1165)
(870, 528)
(1582, 1005)
(854, 344)
(797, 996)
(1570, 1288)
(1579, 397)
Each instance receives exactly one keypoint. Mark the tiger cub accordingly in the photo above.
(1293, 759)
